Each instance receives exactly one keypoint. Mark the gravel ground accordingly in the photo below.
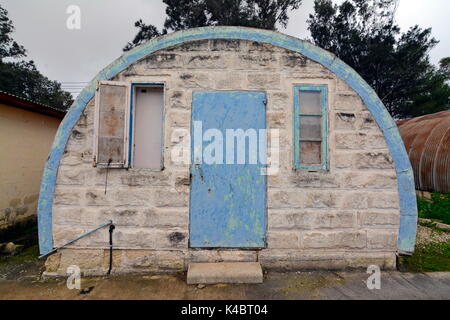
(427, 235)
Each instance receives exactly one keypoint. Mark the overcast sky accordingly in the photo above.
(107, 25)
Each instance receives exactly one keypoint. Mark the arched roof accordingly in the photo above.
(408, 205)
(427, 141)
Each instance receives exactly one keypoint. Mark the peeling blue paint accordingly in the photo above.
(406, 241)
(227, 202)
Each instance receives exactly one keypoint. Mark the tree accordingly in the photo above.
(445, 67)
(185, 14)
(24, 80)
(363, 33)
(21, 78)
(8, 47)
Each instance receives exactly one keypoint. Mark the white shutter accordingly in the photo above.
(112, 116)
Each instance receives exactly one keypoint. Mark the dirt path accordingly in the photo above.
(316, 285)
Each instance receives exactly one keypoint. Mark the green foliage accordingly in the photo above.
(21, 78)
(185, 14)
(445, 67)
(438, 208)
(8, 47)
(363, 33)
(24, 80)
(433, 257)
(28, 255)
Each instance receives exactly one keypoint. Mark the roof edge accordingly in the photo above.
(29, 105)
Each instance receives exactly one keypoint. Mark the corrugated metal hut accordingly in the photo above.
(427, 141)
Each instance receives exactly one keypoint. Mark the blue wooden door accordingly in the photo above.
(228, 198)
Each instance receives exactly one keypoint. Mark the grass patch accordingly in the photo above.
(436, 208)
(432, 257)
(30, 254)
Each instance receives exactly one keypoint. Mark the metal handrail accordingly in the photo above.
(110, 223)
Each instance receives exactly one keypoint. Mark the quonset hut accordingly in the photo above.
(427, 141)
(154, 143)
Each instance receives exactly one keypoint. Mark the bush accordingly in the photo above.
(437, 208)
(433, 257)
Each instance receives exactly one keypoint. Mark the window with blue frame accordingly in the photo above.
(310, 127)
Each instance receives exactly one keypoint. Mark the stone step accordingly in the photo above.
(224, 272)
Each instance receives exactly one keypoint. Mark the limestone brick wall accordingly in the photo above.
(347, 216)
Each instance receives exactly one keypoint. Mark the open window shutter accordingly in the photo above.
(112, 105)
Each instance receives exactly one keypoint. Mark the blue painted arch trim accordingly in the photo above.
(408, 205)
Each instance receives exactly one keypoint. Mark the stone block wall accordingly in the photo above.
(345, 217)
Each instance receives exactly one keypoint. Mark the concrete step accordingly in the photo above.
(224, 272)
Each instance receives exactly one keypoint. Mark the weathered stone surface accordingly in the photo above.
(257, 61)
(283, 239)
(178, 99)
(97, 197)
(171, 199)
(321, 199)
(355, 121)
(229, 80)
(384, 200)
(163, 60)
(205, 61)
(165, 218)
(120, 217)
(231, 272)
(89, 261)
(221, 256)
(263, 81)
(289, 219)
(285, 199)
(68, 196)
(364, 160)
(355, 200)
(360, 141)
(318, 180)
(151, 261)
(276, 119)
(145, 178)
(225, 45)
(349, 102)
(374, 218)
(382, 239)
(66, 176)
(368, 180)
(52, 262)
(194, 80)
(134, 196)
(292, 260)
(335, 220)
(293, 61)
(335, 239)
(202, 45)
(179, 119)
(374, 160)
(151, 238)
(253, 47)
(69, 216)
